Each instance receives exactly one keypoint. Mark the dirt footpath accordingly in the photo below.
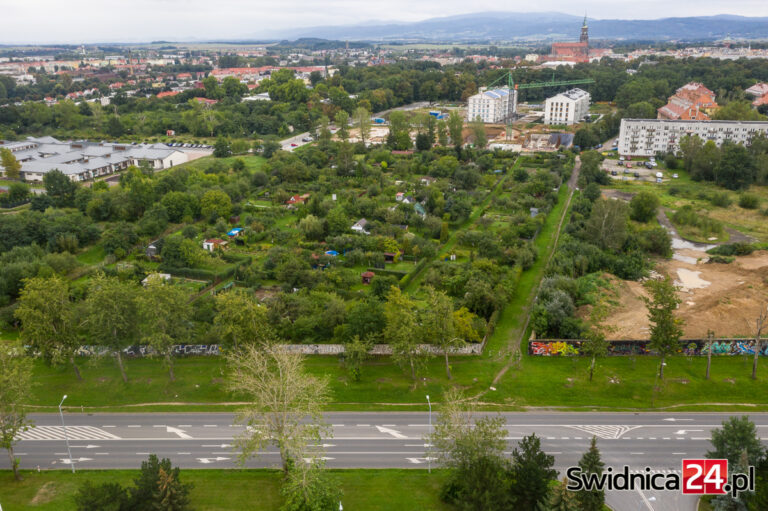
(725, 298)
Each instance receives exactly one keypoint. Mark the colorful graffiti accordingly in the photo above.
(689, 347)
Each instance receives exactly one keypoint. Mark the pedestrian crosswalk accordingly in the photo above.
(73, 433)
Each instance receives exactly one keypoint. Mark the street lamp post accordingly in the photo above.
(66, 437)
(429, 438)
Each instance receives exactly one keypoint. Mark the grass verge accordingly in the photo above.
(215, 490)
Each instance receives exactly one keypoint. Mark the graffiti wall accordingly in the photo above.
(179, 350)
(690, 347)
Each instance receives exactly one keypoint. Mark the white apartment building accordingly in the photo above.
(646, 137)
(492, 106)
(567, 107)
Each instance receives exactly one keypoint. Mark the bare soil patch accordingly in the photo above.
(725, 298)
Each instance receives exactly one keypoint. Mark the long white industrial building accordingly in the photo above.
(82, 160)
(647, 137)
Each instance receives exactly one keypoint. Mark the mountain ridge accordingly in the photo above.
(545, 26)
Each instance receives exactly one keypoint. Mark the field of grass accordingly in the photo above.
(625, 383)
(676, 193)
(371, 490)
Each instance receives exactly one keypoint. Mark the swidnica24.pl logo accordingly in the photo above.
(699, 477)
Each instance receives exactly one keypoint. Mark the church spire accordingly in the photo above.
(584, 31)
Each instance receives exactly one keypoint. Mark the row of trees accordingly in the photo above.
(732, 165)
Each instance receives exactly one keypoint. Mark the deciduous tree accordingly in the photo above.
(285, 403)
(403, 332)
(49, 321)
(15, 393)
(666, 329)
(111, 316)
(165, 316)
(472, 449)
(241, 320)
(11, 166)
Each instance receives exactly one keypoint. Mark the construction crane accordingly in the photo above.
(535, 85)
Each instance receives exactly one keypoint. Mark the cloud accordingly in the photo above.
(75, 21)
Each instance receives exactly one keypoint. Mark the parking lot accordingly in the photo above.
(638, 172)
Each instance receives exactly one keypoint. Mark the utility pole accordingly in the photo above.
(66, 438)
(710, 336)
(429, 438)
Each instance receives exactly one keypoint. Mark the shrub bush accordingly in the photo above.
(721, 199)
(732, 249)
(749, 201)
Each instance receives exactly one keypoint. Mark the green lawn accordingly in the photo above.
(620, 383)
(93, 255)
(370, 490)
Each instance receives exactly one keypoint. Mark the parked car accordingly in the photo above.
(614, 173)
(648, 165)
(674, 176)
(637, 174)
(294, 145)
(306, 139)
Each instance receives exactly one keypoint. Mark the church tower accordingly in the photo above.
(584, 32)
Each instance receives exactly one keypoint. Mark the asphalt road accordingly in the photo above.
(377, 440)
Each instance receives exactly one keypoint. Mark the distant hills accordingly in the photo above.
(548, 26)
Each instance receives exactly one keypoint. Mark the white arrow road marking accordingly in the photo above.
(68, 461)
(682, 431)
(420, 460)
(392, 432)
(89, 446)
(212, 460)
(672, 419)
(180, 432)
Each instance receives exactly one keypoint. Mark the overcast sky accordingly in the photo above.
(75, 21)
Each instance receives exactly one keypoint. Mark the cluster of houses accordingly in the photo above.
(81, 160)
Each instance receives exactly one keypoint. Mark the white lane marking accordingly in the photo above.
(73, 433)
(159, 426)
(337, 425)
(142, 454)
(134, 426)
(648, 504)
(101, 453)
(392, 432)
(210, 426)
(109, 426)
(182, 434)
(363, 425)
(324, 458)
(222, 446)
(637, 453)
(389, 425)
(553, 452)
(184, 426)
(183, 453)
(678, 454)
